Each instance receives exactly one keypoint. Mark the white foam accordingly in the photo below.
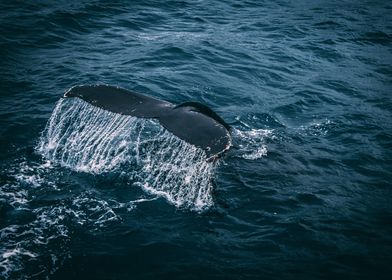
(131, 205)
(90, 211)
(29, 243)
(10, 260)
(316, 128)
(251, 142)
(15, 196)
(22, 244)
(17, 251)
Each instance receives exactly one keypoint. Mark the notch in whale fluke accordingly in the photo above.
(192, 122)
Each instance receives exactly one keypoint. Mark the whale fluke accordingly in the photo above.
(192, 122)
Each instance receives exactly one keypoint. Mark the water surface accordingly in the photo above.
(306, 193)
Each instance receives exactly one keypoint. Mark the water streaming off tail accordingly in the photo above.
(88, 139)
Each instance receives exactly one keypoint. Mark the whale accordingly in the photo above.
(190, 121)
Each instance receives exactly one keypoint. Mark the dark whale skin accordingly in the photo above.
(191, 121)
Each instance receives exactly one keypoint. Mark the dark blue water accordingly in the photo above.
(306, 194)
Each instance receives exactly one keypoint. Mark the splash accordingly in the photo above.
(182, 175)
(85, 138)
(251, 143)
(89, 139)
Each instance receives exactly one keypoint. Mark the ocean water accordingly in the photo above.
(305, 193)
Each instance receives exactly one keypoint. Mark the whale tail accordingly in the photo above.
(192, 122)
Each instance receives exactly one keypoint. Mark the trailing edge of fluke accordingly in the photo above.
(192, 122)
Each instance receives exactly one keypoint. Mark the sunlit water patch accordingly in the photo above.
(88, 139)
